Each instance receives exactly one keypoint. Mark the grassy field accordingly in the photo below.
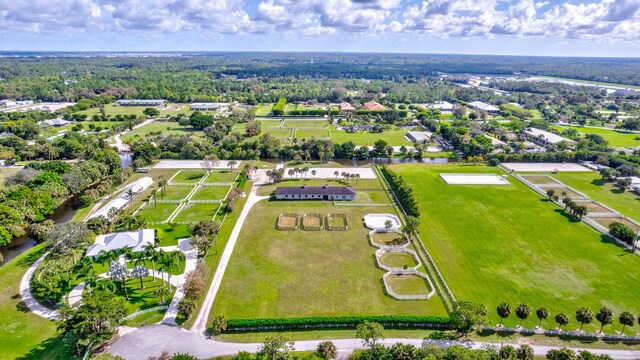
(311, 133)
(264, 110)
(140, 299)
(157, 212)
(113, 110)
(188, 176)
(507, 243)
(165, 127)
(615, 138)
(24, 335)
(196, 212)
(175, 192)
(210, 193)
(302, 124)
(308, 273)
(394, 137)
(224, 176)
(397, 259)
(408, 285)
(592, 185)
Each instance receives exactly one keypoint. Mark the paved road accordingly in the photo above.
(152, 340)
(200, 324)
(27, 297)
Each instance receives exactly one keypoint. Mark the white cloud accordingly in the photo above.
(609, 20)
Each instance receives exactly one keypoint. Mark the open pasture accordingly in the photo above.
(616, 138)
(175, 192)
(305, 124)
(508, 243)
(311, 133)
(210, 193)
(308, 273)
(221, 177)
(164, 127)
(188, 176)
(264, 110)
(394, 137)
(157, 212)
(408, 285)
(191, 213)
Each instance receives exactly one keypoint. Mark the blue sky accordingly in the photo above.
(518, 27)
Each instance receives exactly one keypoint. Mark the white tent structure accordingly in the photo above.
(121, 200)
(377, 222)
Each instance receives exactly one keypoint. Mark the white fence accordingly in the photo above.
(138, 313)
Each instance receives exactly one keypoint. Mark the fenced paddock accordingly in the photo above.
(541, 180)
(408, 285)
(474, 179)
(545, 167)
(288, 222)
(312, 222)
(337, 222)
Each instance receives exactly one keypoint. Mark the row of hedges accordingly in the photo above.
(403, 191)
(312, 112)
(337, 321)
(278, 109)
(401, 113)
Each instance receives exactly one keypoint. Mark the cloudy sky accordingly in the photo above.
(519, 27)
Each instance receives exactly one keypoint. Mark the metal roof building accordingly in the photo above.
(325, 192)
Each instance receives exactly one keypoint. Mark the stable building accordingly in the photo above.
(208, 106)
(479, 105)
(325, 192)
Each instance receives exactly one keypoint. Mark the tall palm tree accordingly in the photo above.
(313, 173)
(151, 252)
(336, 173)
(169, 263)
(503, 310)
(140, 271)
(154, 195)
(626, 319)
(584, 316)
(542, 314)
(162, 184)
(162, 292)
(522, 312)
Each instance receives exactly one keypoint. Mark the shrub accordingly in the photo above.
(278, 109)
(622, 232)
(404, 192)
(342, 321)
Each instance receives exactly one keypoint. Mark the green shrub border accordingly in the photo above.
(240, 325)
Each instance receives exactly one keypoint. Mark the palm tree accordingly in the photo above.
(336, 173)
(562, 320)
(313, 173)
(626, 319)
(304, 171)
(161, 292)
(542, 314)
(90, 280)
(357, 178)
(140, 271)
(161, 255)
(605, 317)
(154, 194)
(584, 316)
(151, 252)
(522, 312)
(503, 310)
(290, 172)
(551, 193)
(119, 274)
(232, 163)
(170, 261)
(105, 285)
(162, 184)
(129, 194)
(411, 225)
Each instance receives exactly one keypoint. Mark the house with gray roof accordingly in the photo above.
(325, 192)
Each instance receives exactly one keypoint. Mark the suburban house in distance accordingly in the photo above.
(419, 136)
(374, 106)
(135, 240)
(443, 106)
(545, 137)
(56, 122)
(345, 106)
(141, 102)
(479, 105)
(325, 192)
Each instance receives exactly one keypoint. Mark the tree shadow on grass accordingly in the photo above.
(606, 239)
(569, 217)
(52, 348)
(598, 182)
(30, 258)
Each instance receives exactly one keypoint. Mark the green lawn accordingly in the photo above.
(264, 110)
(277, 133)
(224, 176)
(24, 335)
(397, 259)
(507, 243)
(316, 124)
(165, 127)
(394, 137)
(177, 270)
(157, 212)
(169, 235)
(592, 185)
(196, 212)
(189, 176)
(140, 299)
(175, 192)
(408, 285)
(308, 273)
(210, 193)
(615, 138)
(113, 110)
(313, 133)
(268, 124)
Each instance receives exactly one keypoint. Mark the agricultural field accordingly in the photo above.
(276, 273)
(165, 127)
(394, 137)
(592, 185)
(507, 243)
(616, 138)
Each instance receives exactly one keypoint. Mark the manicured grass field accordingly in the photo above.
(408, 285)
(175, 192)
(224, 176)
(158, 212)
(616, 138)
(113, 110)
(165, 127)
(397, 259)
(277, 133)
(394, 137)
(140, 299)
(210, 193)
(308, 273)
(196, 212)
(23, 334)
(308, 134)
(302, 124)
(268, 124)
(264, 110)
(592, 185)
(507, 243)
(188, 176)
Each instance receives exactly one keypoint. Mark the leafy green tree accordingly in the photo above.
(522, 312)
(525, 352)
(626, 319)
(551, 193)
(562, 320)
(370, 333)
(584, 316)
(326, 350)
(503, 310)
(542, 314)
(276, 348)
(508, 352)
(561, 354)
(219, 325)
(151, 112)
(604, 317)
(465, 315)
(162, 292)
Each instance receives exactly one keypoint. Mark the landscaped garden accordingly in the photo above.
(301, 273)
(508, 243)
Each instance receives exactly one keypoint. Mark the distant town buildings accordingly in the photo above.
(208, 106)
(345, 106)
(374, 106)
(443, 106)
(479, 105)
(545, 137)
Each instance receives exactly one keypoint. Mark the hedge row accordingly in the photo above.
(278, 109)
(343, 321)
(312, 112)
(403, 191)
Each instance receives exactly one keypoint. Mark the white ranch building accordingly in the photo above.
(325, 192)
(137, 241)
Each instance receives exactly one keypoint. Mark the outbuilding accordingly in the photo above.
(325, 192)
